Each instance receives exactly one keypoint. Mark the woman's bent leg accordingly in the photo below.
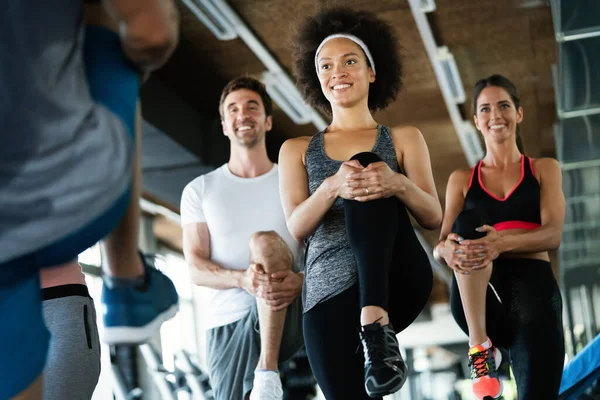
(372, 230)
(333, 348)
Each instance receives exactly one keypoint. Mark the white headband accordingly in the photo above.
(356, 40)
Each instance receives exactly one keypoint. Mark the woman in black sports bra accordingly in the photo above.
(502, 217)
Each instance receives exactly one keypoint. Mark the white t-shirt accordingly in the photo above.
(234, 208)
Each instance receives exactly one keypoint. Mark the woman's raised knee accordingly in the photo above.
(365, 158)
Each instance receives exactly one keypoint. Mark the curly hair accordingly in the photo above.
(377, 34)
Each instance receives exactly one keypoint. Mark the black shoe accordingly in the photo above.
(385, 371)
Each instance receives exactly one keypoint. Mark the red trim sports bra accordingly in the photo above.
(520, 209)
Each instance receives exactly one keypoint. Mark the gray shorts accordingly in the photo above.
(233, 351)
(73, 365)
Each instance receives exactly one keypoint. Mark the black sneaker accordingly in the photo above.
(385, 370)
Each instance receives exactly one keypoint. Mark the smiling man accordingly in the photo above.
(240, 252)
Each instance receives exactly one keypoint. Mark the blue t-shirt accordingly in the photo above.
(63, 158)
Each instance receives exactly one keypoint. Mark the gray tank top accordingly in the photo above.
(330, 264)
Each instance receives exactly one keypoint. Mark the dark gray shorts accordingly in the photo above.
(233, 351)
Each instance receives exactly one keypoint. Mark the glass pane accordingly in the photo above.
(91, 256)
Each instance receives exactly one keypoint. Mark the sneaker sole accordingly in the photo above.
(387, 391)
(134, 335)
(498, 396)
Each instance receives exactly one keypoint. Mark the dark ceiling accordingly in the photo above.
(485, 36)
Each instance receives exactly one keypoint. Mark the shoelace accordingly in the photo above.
(479, 362)
(376, 345)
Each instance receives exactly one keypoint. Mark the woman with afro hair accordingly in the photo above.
(346, 192)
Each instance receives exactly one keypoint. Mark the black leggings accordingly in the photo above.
(394, 272)
(528, 323)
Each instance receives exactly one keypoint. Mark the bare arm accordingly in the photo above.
(303, 212)
(418, 192)
(149, 29)
(455, 200)
(552, 210)
(204, 272)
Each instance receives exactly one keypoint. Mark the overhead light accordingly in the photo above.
(454, 83)
(213, 18)
(225, 23)
(427, 6)
(288, 98)
(532, 3)
(449, 81)
(469, 138)
(435, 53)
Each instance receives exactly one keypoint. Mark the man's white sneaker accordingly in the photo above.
(267, 386)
